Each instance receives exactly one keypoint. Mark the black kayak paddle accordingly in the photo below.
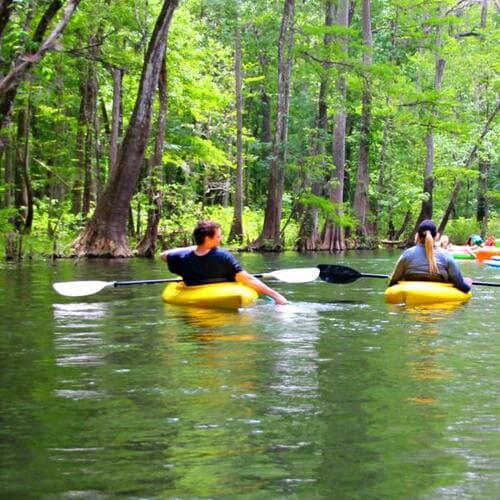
(332, 273)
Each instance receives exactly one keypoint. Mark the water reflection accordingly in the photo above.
(78, 342)
(336, 395)
(428, 351)
(78, 332)
(241, 373)
(212, 399)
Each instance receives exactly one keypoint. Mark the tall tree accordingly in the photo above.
(309, 237)
(361, 202)
(116, 120)
(333, 235)
(426, 210)
(482, 211)
(147, 246)
(23, 188)
(270, 237)
(105, 234)
(236, 232)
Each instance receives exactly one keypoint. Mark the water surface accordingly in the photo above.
(337, 395)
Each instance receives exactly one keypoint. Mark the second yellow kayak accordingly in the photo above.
(424, 292)
(215, 295)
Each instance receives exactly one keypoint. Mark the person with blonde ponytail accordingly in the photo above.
(426, 262)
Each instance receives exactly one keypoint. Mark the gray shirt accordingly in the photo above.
(413, 266)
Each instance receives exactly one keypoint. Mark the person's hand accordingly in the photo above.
(279, 299)
(468, 281)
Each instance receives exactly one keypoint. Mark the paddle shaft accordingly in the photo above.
(83, 288)
(261, 275)
(344, 275)
(480, 283)
(145, 282)
(368, 275)
(169, 280)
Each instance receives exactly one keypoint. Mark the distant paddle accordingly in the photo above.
(82, 288)
(342, 274)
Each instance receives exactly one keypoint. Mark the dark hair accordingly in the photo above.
(427, 231)
(203, 229)
(427, 225)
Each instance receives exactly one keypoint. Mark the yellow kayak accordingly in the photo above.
(424, 292)
(215, 295)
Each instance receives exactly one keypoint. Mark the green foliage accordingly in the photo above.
(6, 217)
(458, 230)
(494, 226)
(329, 210)
(177, 228)
(200, 137)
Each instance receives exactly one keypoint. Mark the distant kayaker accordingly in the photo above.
(473, 244)
(445, 243)
(490, 241)
(206, 262)
(474, 241)
(425, 262)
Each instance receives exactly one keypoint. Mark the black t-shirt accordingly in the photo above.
(216, 266)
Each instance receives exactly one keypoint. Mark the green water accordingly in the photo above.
(337, 395)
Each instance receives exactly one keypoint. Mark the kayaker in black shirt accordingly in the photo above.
(206, 262)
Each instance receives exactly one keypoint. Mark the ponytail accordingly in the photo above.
(430, 254)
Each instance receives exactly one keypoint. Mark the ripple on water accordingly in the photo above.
(336, 390)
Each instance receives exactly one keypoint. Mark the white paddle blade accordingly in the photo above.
(80, 288)
(299, 275)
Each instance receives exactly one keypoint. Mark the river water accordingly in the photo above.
(337, 395)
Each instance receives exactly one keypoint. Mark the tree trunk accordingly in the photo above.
(116, 121)
(236, 232)
(482, 210)
(147, 247)
(77, 188)
(270, 237)
(333, 232)
(426, 210)
(8, 176)
(105, 234)
(90, 110)
(482, 214)
(381, 194)
(83, 189)
(309, 237)
(404, 226)
(484, 13)
(23, 187)
(267, 134)
(361, 202)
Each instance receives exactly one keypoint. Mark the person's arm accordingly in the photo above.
(399, 272)
(164, 254)
(455, 276)
(470, 251)
(255, 283)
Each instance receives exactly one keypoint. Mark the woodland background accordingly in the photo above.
(298, 124)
